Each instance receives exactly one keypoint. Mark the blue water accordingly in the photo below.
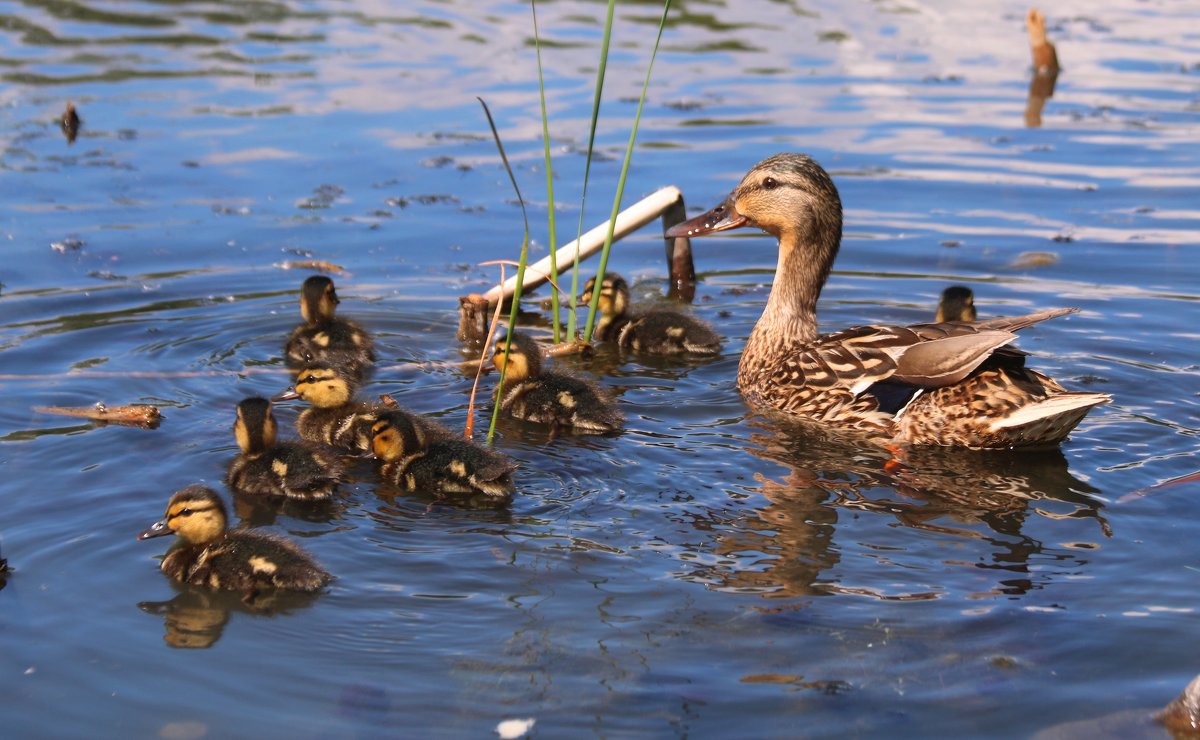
(707, 573)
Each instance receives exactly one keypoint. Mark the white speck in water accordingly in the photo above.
(30, 671)
(514, 728)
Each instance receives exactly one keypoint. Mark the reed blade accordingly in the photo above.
(587, 166)
(516, 298)
(551, 227)
(616, 208)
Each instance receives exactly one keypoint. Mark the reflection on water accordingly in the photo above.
(195, 617)
(789, 545)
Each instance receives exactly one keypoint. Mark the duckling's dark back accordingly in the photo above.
(246, 561)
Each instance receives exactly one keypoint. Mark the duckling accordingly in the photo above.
(240, 560)
(441, 466)
(556, 399)
(957, 304)
(323, 337)
(654, 332)
(267, 468)
(336, 419)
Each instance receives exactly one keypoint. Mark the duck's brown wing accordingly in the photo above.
(835, 377)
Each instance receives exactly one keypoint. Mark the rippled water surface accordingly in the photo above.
(709, 572)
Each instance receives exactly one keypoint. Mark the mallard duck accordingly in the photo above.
(654, 332)
(335, 418)
(952, 384)
(239, 560)
(556, 399)
(324, 338)
(957, 304)
(268, 468)
(443, 466)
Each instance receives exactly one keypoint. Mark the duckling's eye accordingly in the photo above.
(185, 512)
(311, 379)
(770, 183)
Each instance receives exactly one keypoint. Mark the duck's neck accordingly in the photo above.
(790, 317)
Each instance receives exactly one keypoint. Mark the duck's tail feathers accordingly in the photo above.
(1050, 420)
(1013, 323)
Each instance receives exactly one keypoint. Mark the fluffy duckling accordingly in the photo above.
(654, 332)
(240, 560)
(336, 419)
(556, 399)
(443, 466)
(957, 304)
(325, 338)
(269, 468)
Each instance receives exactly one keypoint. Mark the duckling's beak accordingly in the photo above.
(289, 395)
(721, 218)
(158, 529)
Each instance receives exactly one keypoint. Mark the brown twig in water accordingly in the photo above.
(318, 265)
(138, 414)
(469, 429)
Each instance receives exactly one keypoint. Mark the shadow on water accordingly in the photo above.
(788, 547)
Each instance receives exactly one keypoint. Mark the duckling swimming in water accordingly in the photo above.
(239, 560)
(269, 468)
(654, 332)
(442, 466)
(324, 338)
(957, 304)
(336, 419)
(556, 399)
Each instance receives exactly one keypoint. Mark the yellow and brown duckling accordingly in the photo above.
(555, 399)
(336, 418)
(266, 467)
(654, 332)
(959, 384)
(238, 560)
(957, 304)
(442, 466)
(325, 338)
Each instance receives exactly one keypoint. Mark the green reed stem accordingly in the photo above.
(553, 239)
(616, 208)
(587, 167)
(516, 298)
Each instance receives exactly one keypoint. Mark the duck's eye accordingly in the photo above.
(185, 512)
(770, 183)
(311, 379)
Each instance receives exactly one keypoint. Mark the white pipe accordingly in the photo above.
(629, 220)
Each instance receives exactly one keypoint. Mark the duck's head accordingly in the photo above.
(196, 514)
(614, 295)
(318, 299)
(393, 436)
(957, 304)
(523, 358)
(324, 386)
(787, 194)
(255, 427)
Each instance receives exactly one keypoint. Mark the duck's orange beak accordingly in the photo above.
(721, 218)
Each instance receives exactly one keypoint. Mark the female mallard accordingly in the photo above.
(238, 560)
(952, 384)
(653, 332)
(443, 466)
(957, 304)
(325, 338)
(335, 418)
(268, 468)
(555, 399)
